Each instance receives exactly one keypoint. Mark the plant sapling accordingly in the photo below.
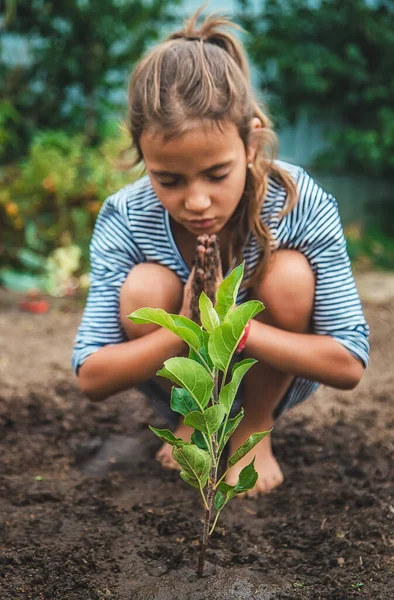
(206, 394)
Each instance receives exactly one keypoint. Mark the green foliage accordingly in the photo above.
(190, 375)
(225, 338)
(228, 392)
(182, 401)
(207, 422)
(195, 464)
(167, 436)
(188, 331)
(48, 206)
(331, 58)
(228, 428)
(209, 317)
(10, 125)
(247, 480)
(79, 55)
(203, 405)
(246, 447)
(370, 246)
(228, 291)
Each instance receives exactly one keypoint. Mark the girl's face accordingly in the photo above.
(200, 176)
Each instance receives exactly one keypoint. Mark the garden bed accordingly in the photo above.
(87, 513)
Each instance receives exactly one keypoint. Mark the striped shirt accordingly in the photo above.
(133, 227)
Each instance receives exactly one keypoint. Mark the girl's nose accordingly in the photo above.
(197, 201)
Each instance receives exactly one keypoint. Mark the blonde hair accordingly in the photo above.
(201, 74)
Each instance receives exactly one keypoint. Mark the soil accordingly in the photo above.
(87, 513)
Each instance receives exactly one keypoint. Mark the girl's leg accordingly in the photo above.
(151, 285)
(287, 292)
(155, 286)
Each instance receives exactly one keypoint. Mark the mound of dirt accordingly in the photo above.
(87, 513)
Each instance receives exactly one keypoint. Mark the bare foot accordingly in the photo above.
(269, 472)
(164, 455)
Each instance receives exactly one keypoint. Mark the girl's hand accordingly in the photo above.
(206, 276)
(186, 308)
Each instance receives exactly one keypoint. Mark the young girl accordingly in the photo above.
(207, 148)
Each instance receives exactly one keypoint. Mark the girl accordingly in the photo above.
(207, 148)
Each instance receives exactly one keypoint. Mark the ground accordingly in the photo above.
(86, 513)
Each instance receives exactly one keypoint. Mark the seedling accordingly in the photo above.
(206, 394)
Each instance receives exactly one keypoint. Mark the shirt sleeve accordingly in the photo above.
(317, 232)
(112, 255)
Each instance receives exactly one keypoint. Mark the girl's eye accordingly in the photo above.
(218, 177)
(176, 182)
(169, 183)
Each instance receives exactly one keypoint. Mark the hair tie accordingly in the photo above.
(194, 38)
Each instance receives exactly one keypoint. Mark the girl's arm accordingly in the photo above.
(337, 351)
(104, 359)
(115, 368)
(316, 357)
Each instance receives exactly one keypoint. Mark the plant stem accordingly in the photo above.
(210, 492)
(222, 477)
(203, 498)
(205, 535)
(215, 521)
(227, 416)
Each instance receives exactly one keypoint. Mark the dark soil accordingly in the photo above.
(87, 513)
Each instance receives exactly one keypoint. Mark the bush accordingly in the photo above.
(75, 59)
(50, 201)
(330, 59)
(371, 245)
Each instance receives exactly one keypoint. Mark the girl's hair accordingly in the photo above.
(200, 74)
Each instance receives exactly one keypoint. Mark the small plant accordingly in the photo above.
(206, 394)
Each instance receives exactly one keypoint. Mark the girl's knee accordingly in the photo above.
(151, 285)
(287, 291)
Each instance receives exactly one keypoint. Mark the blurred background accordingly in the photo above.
(324, 69)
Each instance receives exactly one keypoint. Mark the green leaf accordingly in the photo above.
(229, 391)
(203, 352)
(195, 464)
(197, 439)
(158, 316)
(33, 238)
(183, 322)
(223, 495)
(190, 375)
(219, 500)
(19, 281)
(209, 316)
(247, 447)
(183, 327)
(207, 422)
(214, 416)
(223, 341)
(196, 419)
(227, 293)
(247, 479)
(231, 426)
(244, 313)
(182, 401)
(167, 436)
(31, 260)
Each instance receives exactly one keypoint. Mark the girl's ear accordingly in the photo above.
(251, 149)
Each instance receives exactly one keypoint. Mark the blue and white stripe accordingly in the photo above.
(133, 227)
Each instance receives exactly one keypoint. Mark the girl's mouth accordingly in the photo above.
(202, 223)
